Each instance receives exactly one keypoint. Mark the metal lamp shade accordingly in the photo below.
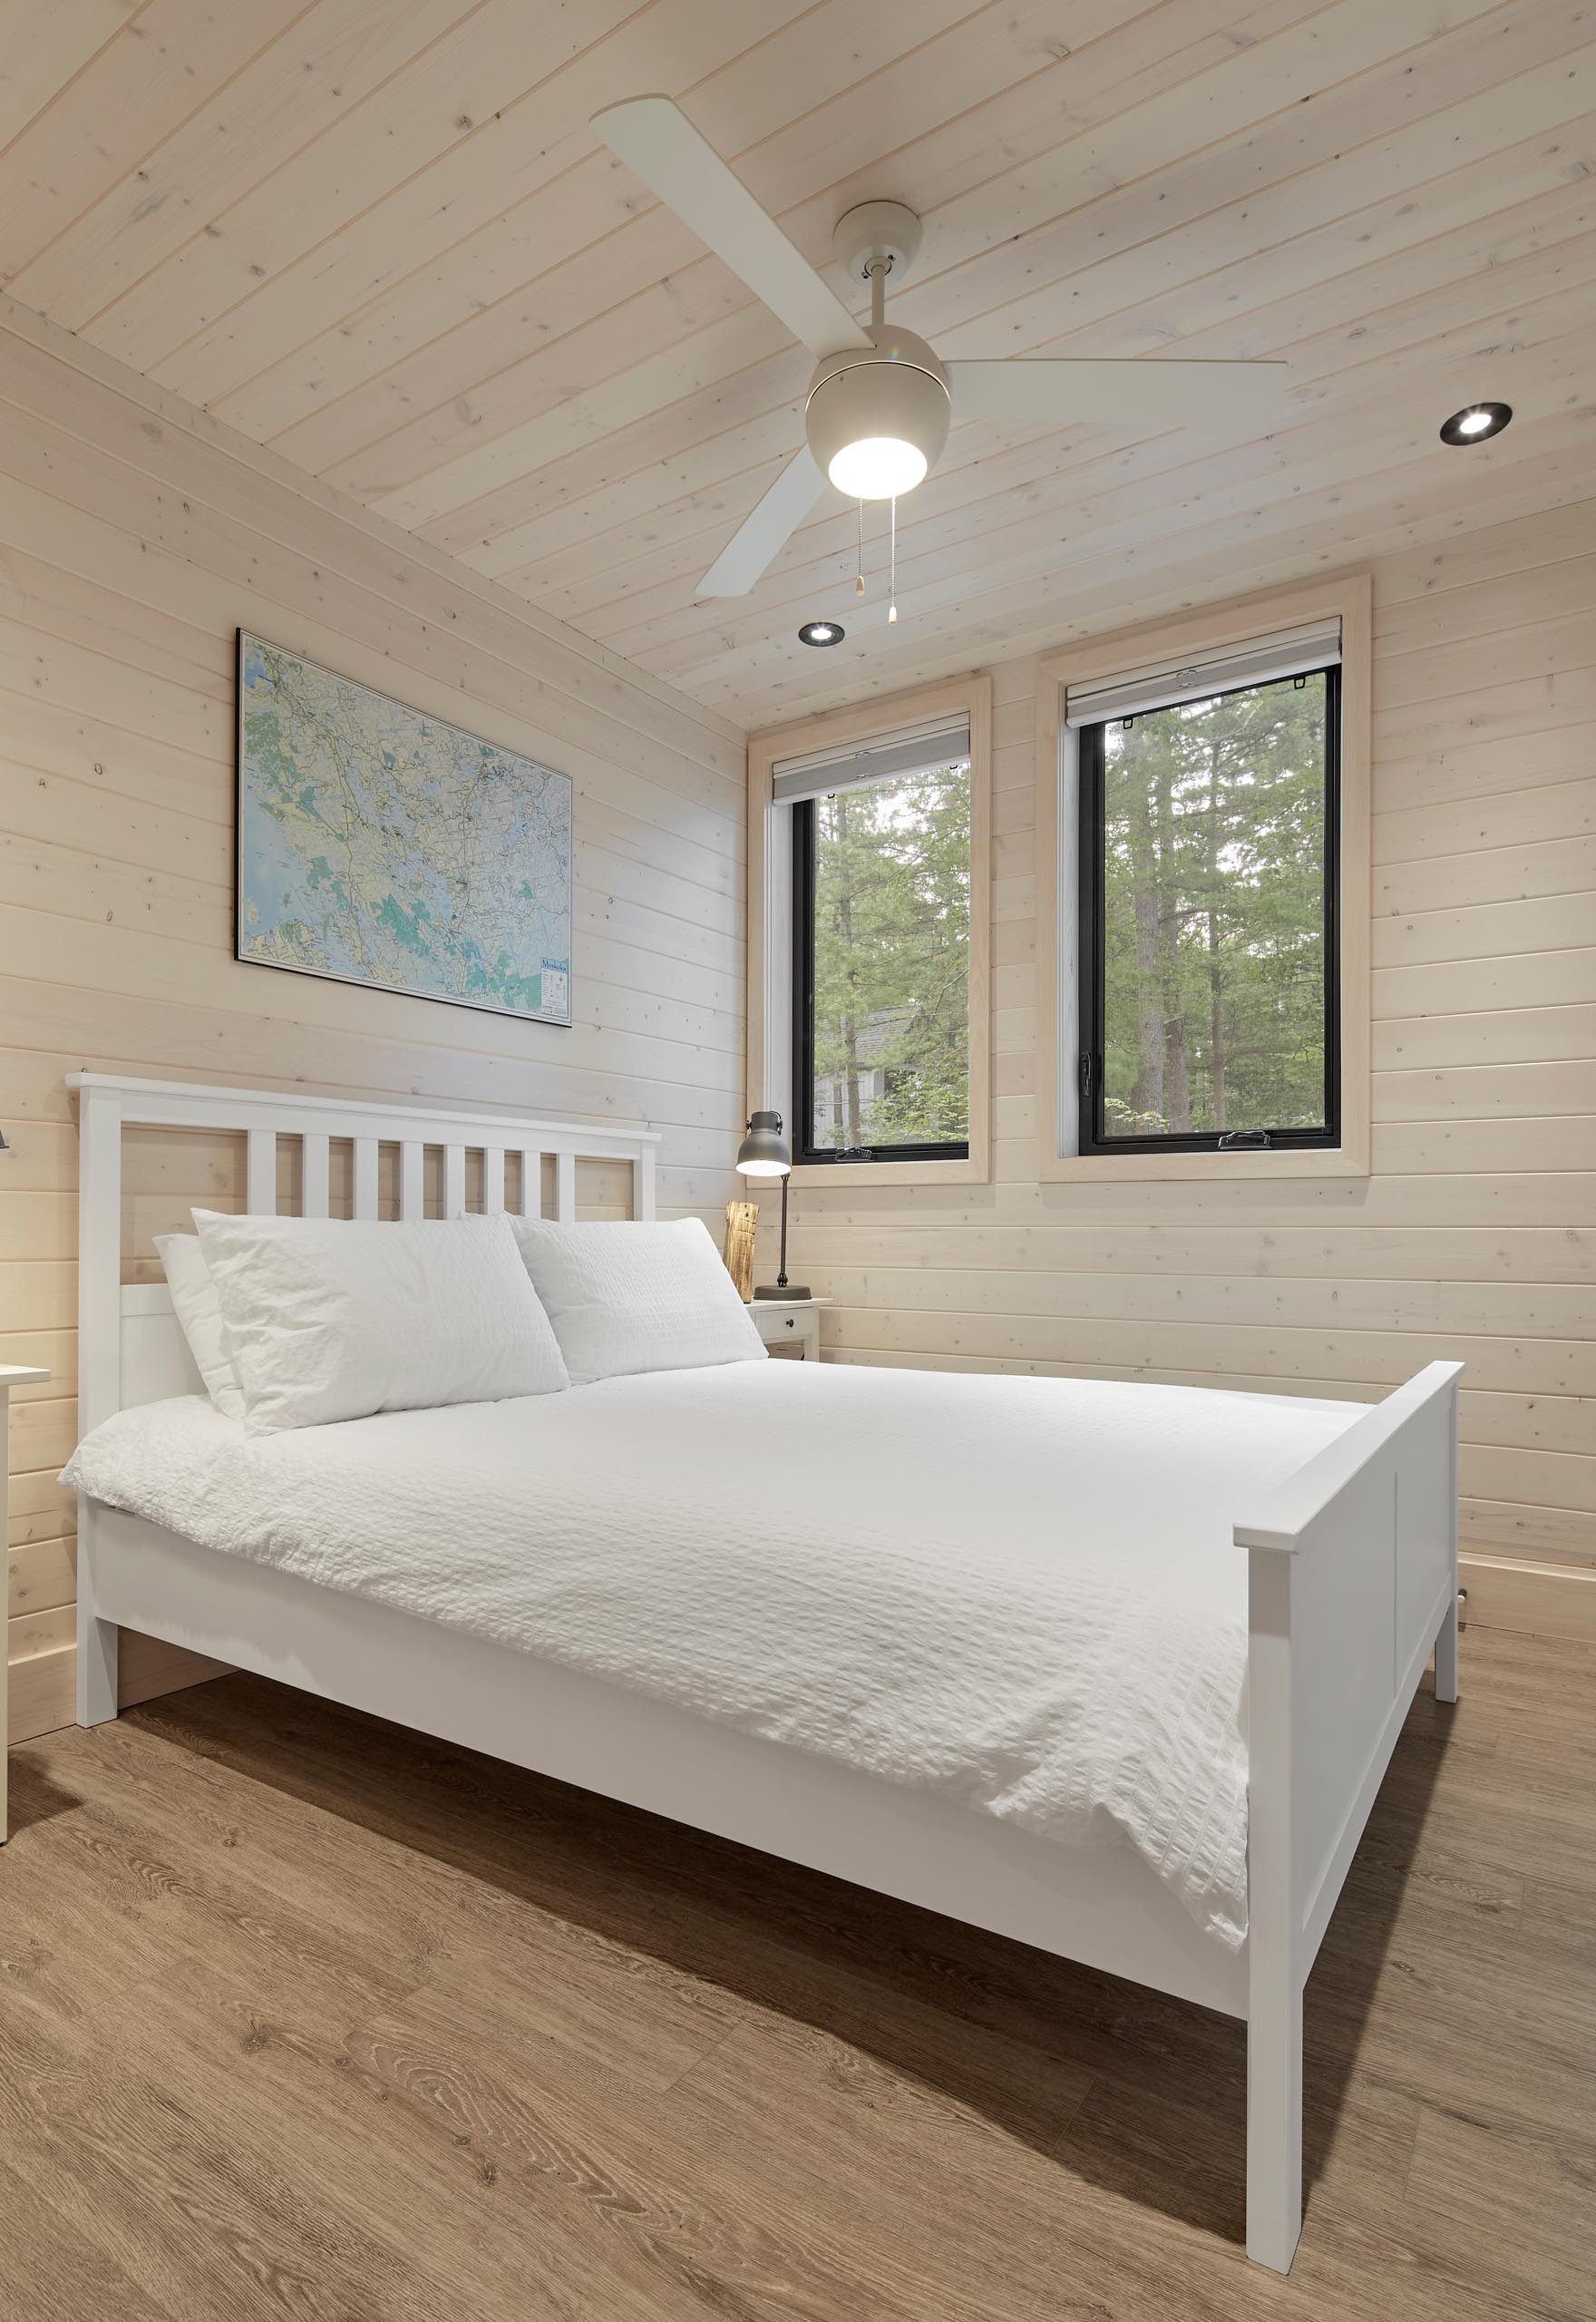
(763, 1151)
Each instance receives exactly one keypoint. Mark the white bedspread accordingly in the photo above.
(1021, 1592)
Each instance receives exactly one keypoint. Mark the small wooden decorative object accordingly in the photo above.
(742, 1218)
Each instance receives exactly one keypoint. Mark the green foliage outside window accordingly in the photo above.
(891, 964)
(1213, 934)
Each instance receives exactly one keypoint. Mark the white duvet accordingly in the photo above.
(1021, 1592)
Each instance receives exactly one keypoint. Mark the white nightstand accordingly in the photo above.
(11, 1375)
(790, 1323)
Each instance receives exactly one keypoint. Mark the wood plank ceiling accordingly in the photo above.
(383, 239)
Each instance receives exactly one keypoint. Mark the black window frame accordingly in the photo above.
(1090, 981)
(805, 1153)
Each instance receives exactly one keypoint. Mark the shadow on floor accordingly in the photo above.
(1133, 2091)
(34, 1797)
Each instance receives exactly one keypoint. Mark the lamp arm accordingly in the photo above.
(782, 1273)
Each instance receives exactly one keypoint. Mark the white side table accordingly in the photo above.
(11, 1375)
(790, 1323)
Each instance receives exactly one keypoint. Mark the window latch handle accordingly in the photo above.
(1244, 1140)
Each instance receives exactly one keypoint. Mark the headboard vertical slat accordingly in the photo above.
(412, 1178)
(260, 1172)
(364, 1187)
(643, 1183)
(454, 1181)
(531, 1181)
(564, 1188)
(494, 1180)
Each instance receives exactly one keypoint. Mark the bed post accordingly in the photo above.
(1446, 1653)
(1352, 1581)
(99, 1366)
(1447, 1635)
(1275, 1965)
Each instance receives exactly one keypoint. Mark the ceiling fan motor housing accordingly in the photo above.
(895, 389)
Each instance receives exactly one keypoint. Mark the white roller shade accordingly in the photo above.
(1287, 654)
(918, 750)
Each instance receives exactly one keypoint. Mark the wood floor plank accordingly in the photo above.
(307, 2016)
(67, 2275)
(1514, 2213)
(179, 2196)
(517, 2201)
(419, 1920)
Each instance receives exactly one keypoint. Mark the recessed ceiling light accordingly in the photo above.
(822, 632)
(1476, 422)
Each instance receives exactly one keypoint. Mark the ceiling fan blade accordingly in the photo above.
(1115, 394)
(766, 531)
(658, 143)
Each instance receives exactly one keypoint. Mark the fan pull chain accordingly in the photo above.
(892, 569)
(858, 571)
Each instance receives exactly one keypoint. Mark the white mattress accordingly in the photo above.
(1021, 1592)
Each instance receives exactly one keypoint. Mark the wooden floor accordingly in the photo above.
(305, 2016)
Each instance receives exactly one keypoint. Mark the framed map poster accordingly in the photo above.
(379, 845)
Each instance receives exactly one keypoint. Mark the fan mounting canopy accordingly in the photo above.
(876, 234)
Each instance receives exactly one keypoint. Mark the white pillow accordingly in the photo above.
(625, 1297)
(195, 1304)
(326, 1320)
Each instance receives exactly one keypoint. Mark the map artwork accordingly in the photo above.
(378, 845)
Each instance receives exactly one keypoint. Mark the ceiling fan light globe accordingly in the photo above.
(877, 420)
(877, 467)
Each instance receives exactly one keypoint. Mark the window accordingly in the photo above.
(1208, 982)
(870, 954)
(881, 976)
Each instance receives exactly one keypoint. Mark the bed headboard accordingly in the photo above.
(130, 1347)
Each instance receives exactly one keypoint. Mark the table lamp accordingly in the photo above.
(764, 1154)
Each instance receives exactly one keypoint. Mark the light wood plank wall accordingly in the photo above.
(136, 535)
(1474, 1237)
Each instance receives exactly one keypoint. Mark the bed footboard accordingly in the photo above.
(1352, 1582)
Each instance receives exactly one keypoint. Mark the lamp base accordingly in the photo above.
(773, 1290)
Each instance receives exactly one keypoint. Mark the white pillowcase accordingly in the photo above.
(199, 1310)
(625, 1298)
(326, 1320)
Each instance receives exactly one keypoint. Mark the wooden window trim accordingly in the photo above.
(769, 962)
(1347, 596)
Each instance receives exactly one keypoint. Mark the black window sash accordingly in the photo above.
(1091, 995)
(806, 844)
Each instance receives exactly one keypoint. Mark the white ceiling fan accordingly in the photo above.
(879, 406)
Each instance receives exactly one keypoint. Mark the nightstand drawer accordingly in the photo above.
(788, 1327)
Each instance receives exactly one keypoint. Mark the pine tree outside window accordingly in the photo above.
(1208, 973)
(882, 967)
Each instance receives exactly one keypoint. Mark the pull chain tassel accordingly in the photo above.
(892, 569)
(858, 571)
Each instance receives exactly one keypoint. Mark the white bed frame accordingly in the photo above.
(1352, 1581)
